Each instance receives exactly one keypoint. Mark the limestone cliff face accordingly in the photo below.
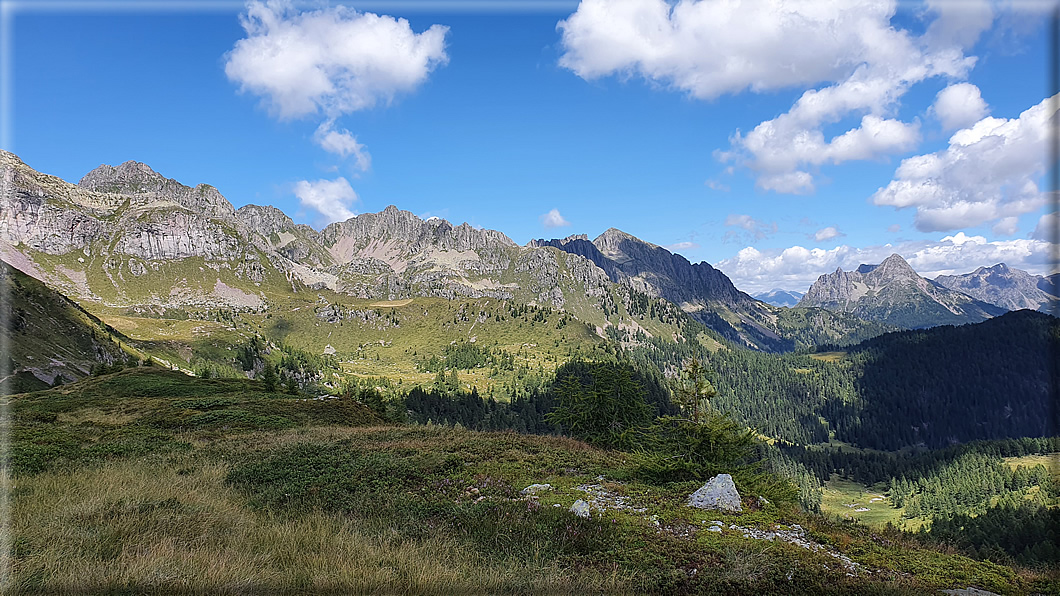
(400, 236)
(1000, 285)
(893, 293)
(146, 186)
(272, 230)
(122, 224)
(46, 213)
(700, 290)
(129, 222)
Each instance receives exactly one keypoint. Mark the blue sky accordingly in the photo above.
(776, 141)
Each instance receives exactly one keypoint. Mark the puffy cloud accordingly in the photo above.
(1007, 226)
(988, 172)
(776, 148)
(553, 219)
(342, 143)
(334, 59)
(894, 228)
(1047, 228)
(958, 22)
(707, 48)
(751, 226)
(959, 105)
(331, 198)
(796, 267)
(678, 246)
(827, 234)
(797, 182)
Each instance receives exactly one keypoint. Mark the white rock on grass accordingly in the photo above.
(535, 488)
(581, 509)
(718, 493)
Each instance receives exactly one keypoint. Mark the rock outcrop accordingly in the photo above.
(581, 509)
(718, 493)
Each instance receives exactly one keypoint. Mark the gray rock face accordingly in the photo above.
(700, 290)
(1000, 285)
(718, 493)
(581, 509)
(139, 180)
(404, 235)
(893, 293)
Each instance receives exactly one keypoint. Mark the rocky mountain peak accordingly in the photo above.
(402, 234)
(612, 237)
(139, 180)
(893, 293)
(894, 266)
(264, 219)
(129, 177)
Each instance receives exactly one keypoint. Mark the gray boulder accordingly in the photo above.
(718, 493)
(581, 509)
(535, 488)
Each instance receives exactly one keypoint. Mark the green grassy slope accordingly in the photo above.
(151, 481)
(48, 336)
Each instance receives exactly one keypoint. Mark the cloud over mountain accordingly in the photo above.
(988, 172)
(335, 60)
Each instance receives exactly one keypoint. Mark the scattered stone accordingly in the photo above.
(797, 536)
(602, 499)
(581, 509)
(762, 501)
(718, 493)
(535, 488)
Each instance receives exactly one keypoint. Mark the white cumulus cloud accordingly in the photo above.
(1048, 225)
(342, 143)
(959, 105)
(707, 48)
(827, 234)
(553, 219)
(959, 22)
(331, 198)
(1006, 226)
(678, 246)
(335, 59)
(988, 172)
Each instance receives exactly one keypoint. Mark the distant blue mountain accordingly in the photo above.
(778, 297)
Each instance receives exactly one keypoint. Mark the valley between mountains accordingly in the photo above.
(205, 399)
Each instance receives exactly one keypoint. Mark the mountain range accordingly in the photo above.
(1011, 289)
(892, 292)
(127, 237)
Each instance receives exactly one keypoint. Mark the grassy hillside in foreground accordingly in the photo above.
(149, 481)
(47, 337)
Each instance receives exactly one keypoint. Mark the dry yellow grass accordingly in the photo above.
(829, 356)
(154, 525)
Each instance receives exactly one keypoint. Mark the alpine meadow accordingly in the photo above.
(748, 298)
